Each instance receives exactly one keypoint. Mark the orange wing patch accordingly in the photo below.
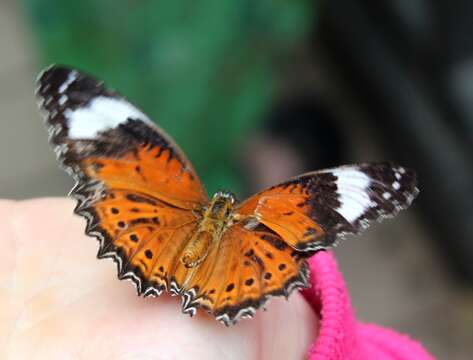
(144, 235)
(287, 210)
(242, 273)
(279, 213)
(148, 170)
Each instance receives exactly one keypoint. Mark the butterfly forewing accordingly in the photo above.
(313, 210)
(98, 135)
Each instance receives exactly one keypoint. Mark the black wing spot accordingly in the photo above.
(309, 232)
(230, 287)
(140, 221)
(97, 166)
(115, 211)
(267, 276)
(258, 261)
(249, 282)
(149, 254)
(249, 253)
(121, 224)
(134, 238)
(281, 267)
(141, 199)
(274, 241)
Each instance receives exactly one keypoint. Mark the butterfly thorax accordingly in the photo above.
(216, 217)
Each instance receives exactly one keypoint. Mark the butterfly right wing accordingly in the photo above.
(310, 212)
(242, 272)
(264, 253)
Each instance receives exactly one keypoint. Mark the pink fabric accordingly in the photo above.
(340, 336)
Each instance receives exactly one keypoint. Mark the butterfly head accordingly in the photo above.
(221, 205)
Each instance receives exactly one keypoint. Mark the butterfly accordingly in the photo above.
(145, 204)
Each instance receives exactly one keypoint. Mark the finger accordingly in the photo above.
(9, 307)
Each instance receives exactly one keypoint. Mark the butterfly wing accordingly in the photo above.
(144, 236)
(312, 211)
(242, 272)
(134, 185)
(264, 253)
(98, 135)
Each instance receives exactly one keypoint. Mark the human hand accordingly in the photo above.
(57, 301)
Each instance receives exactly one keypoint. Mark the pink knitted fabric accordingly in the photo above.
(340, 336)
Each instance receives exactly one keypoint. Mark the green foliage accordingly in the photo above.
(202, 69)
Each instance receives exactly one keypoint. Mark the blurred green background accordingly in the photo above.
(203, 70)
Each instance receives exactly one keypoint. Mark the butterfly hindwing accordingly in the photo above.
(313, 210)
(248, 268)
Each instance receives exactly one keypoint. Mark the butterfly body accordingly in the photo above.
(145, 204)
(216, 218)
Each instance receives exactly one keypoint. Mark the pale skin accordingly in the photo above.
(57, 301)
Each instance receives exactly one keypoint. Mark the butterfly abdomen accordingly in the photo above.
(197, 249)
(216, 218)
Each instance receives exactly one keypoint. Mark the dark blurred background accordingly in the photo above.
(258, 91)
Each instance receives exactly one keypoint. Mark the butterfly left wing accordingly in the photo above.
(310, 212)
(134, 185)
(143, 235)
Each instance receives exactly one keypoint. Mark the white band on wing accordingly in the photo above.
(100, 114)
